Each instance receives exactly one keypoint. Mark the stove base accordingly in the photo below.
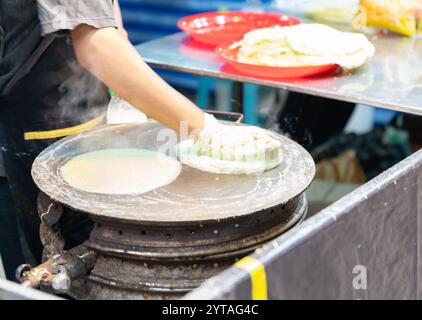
(166, 262)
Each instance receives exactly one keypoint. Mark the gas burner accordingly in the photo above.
(165, 243)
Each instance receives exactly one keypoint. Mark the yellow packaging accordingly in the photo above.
(401, 16)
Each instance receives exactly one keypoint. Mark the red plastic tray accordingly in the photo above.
(218, 27)
(229, 52)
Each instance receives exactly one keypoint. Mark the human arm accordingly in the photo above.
(112, 59)
(116, 63)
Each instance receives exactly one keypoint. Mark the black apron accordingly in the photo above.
(51, 97)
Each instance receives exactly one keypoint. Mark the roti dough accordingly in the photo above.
(231, 154)
(213, 165)
(120, 171)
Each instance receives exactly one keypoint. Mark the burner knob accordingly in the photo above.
(20, 271)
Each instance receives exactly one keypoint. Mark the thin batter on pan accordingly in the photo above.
(120, 171)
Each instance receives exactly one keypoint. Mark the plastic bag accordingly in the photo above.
(319, 10)
(330, 11)
(344, 168)
(400, 16)
(121, 112)
(376, 151)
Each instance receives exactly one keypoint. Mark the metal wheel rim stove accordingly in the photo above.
(148, 249)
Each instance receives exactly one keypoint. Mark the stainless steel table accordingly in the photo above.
(392, 79)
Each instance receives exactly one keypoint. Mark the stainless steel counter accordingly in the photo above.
(392, 79)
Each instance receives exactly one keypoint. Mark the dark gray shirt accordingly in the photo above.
(35, 43)
(24, 24)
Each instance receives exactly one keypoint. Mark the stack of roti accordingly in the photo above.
(304, 45)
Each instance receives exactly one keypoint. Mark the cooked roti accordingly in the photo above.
(319, 39)
(304, 45)
(120, 171)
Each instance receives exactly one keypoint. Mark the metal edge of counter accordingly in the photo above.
(365, 246)
(13, 291)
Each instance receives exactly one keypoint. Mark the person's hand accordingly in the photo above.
(234, 143)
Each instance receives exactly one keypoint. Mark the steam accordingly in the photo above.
(83, 97)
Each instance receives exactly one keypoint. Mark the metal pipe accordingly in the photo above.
(59, 271)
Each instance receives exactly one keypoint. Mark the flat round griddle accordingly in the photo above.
(193, 196)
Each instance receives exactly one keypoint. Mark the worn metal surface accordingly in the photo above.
(60, 267)
(50, 214)
(146, 261)
(378, 226)
(58, 272)
(194, 196)
(389, 80)
(165, 262)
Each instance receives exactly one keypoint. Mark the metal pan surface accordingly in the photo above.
(194, 196)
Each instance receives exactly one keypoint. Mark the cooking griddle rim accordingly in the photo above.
(50, 189)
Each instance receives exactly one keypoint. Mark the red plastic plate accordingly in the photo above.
(229, 52)
(218, 27)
